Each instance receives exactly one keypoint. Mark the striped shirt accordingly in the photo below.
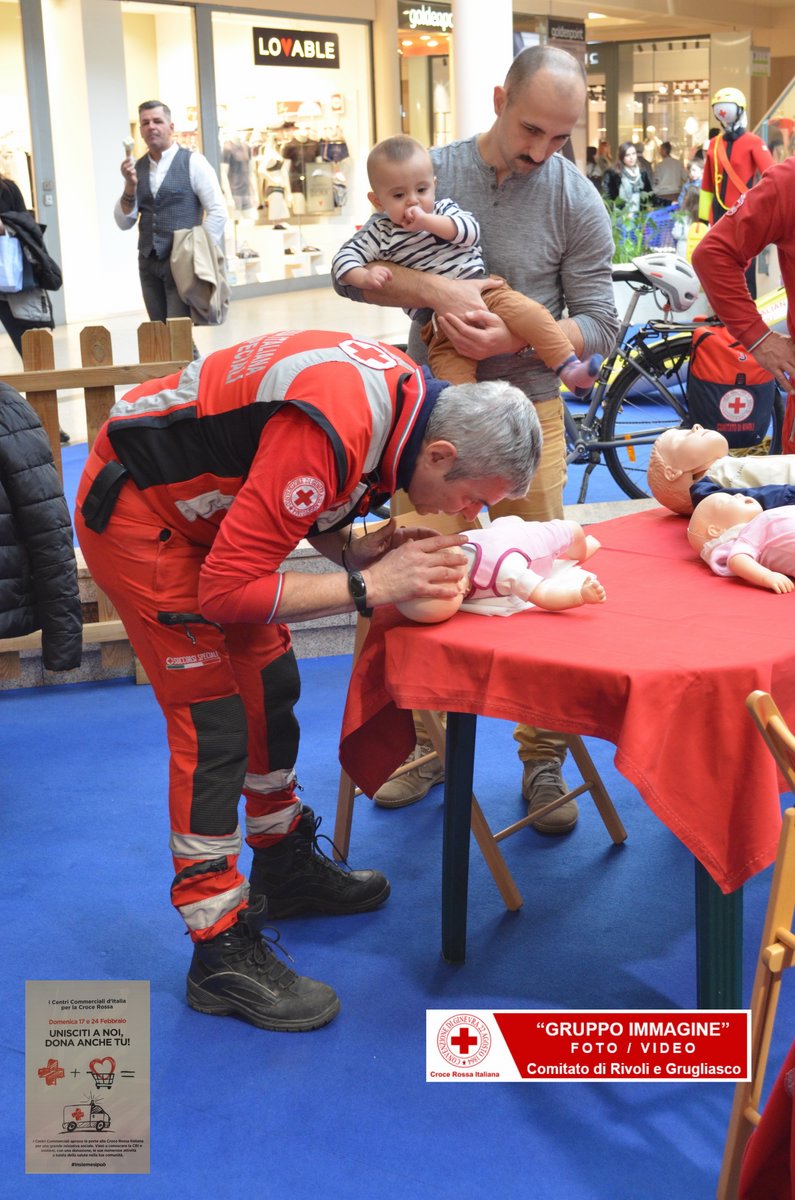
(381, 240)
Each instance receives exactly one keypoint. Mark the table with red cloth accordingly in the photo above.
(662, 670)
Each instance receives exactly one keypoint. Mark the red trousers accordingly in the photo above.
(227, 696)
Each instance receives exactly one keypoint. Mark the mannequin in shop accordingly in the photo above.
(273, 182)
(300, 151)
(239, 185)
(652, 146)
(734, 161)
(415, 229)
(735, 536)
(687, 465)
(514, 564)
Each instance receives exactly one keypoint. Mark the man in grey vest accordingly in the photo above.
(169, 188)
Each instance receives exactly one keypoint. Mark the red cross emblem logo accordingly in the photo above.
(464, 1040)
(78, 1114)
(737, 405)
(51, 1073)
(304, 495)
(368, 354)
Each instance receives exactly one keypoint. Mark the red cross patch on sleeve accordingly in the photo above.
(304, 495)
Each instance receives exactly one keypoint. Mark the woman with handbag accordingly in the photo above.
(28, 307)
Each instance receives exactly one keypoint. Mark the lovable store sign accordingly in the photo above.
(295, 48)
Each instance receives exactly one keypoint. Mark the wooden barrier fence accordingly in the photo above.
(162, 349)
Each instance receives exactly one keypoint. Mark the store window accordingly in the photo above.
(671, 97)
(294, 119)
(16, 162)
(160, 64)
(424, 38)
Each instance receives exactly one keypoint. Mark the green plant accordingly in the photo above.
(628, 226)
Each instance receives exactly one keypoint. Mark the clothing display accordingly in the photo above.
(236, 156)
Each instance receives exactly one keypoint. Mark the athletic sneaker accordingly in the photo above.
(542, 782)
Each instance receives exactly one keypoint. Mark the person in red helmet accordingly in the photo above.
(196, 490)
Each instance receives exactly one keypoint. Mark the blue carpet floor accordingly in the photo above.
(345, 1110)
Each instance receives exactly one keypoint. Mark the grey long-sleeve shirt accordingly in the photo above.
(549, 236)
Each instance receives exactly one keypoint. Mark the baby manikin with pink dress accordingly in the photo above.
(515, 565)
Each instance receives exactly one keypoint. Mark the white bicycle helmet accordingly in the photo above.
(673, 276)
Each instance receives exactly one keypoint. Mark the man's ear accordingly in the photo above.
(500, 99)
(440, 452)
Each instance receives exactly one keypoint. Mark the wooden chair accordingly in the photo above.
(775, 954)
(486, 839)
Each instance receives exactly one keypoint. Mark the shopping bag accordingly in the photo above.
(10, 264)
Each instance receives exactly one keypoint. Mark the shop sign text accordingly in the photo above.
(294, 48)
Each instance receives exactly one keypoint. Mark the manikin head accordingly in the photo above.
(728, 107)
(717, 513)
(678, 458)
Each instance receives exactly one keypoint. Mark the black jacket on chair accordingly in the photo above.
(38, 572)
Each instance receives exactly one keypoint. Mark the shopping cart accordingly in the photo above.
(658, 228)
(101, 1075)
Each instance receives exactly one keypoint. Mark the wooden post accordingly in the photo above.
(38, 354)
(96, 350)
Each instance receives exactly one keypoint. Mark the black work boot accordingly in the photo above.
(297, 877)
(237, 974)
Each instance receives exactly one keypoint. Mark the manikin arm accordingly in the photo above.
(753, 572)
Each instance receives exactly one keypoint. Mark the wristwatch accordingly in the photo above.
(358, 590)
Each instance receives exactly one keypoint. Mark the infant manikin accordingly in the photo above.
(516, 564)
(736, 536)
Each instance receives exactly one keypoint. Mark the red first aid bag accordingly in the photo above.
(727, 390)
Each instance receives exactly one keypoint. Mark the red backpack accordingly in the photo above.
(727, 390)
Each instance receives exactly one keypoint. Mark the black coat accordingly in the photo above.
(46, 272)
(38, 572)
(612, 178)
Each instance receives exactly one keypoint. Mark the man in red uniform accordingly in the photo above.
(197, 489)
(765, 216)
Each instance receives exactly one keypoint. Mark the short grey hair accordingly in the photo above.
(147, 104)
(495, 431)
(542, 58)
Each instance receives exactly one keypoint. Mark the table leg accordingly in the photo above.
(458, 769)
(719, 943)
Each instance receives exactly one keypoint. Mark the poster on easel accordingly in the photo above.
(87, 1077)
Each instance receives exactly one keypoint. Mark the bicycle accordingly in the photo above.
(641, 389)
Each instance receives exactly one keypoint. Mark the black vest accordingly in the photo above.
(176, 205)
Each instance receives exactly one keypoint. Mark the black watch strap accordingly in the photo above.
(358, 590)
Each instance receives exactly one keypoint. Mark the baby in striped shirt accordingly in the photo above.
(414, 229)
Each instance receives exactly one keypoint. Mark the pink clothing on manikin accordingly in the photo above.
(769, 539)
(538, 542)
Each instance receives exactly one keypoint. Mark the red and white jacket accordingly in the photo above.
(257, 446)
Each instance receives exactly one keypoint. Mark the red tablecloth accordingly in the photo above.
(661, 669)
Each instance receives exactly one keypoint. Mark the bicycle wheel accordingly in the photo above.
(638, 409)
